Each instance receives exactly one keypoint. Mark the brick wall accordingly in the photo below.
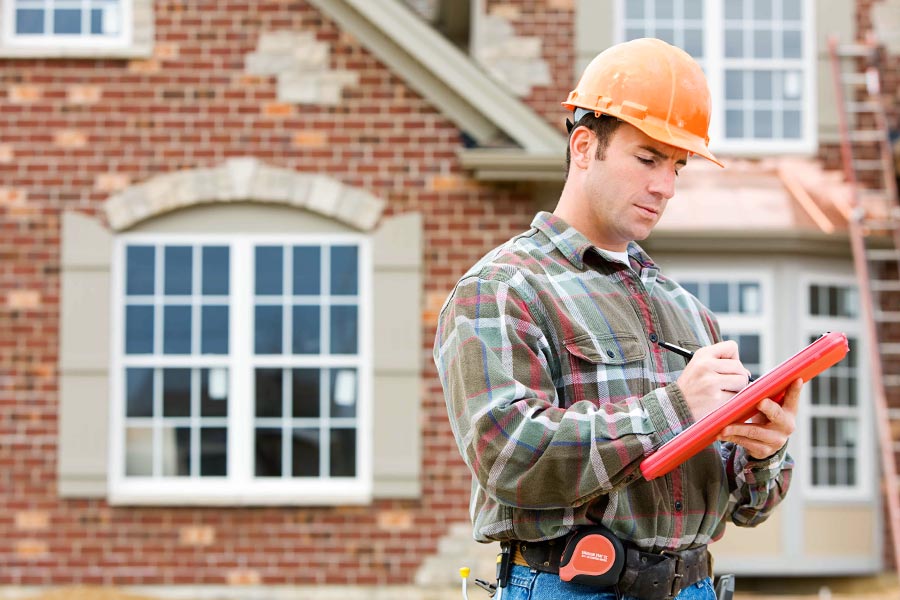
(73, 132)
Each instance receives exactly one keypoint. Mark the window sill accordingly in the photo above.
(91, 52)
(192, 493)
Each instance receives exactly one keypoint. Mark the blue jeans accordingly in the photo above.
(525, 584)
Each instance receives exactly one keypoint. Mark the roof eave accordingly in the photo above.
(443, 74)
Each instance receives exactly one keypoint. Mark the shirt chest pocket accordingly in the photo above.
(609, 349)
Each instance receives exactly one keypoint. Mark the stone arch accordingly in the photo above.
(243, 180)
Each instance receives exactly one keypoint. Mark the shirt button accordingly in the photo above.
(678, 505)
(653, 337)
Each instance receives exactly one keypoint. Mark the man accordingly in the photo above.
(555, 385)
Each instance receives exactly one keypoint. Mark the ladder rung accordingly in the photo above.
(883, 255)
(891, 380)
(868, 135)
(868, 164)
(882, 285)
(863, 107)
(887, 316)
(855, 50)
(854, 78)
(890, 348)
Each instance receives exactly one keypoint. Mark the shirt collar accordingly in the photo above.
(574, 245)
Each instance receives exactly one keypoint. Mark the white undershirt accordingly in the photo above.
(622, 257)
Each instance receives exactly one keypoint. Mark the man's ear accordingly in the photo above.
(582, 149)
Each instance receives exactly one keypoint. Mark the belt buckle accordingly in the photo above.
(677, 576)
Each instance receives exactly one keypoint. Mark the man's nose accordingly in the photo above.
(663, 183)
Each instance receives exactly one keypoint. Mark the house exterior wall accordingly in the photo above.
(77, 131)
(73, 132)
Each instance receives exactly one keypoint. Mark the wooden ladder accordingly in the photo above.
(874, 226)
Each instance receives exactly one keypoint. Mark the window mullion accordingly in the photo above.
(241, 318)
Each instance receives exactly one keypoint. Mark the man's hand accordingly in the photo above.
(769, 430)
(712, 376)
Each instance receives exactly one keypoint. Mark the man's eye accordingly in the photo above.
(646, 161)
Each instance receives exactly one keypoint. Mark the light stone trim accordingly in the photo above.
(886, 23)
(515, 61)
(244, 180)
(141, 46)
(300, 64)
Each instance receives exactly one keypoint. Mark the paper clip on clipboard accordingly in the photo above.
(806, 364)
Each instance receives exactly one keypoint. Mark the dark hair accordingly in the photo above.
(603, 127)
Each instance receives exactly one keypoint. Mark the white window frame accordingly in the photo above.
(240, 487)
(714, 65)
(810, 326)
(762, 324)
(67, 41)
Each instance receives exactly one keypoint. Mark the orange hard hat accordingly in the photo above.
(654, 86)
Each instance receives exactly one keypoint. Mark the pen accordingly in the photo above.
(676, 349)
(687, 354)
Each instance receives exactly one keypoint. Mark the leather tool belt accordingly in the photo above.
(646, 575)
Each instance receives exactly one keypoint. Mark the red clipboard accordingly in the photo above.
(806, 364)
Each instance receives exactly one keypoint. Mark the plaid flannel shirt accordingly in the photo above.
(555, 394)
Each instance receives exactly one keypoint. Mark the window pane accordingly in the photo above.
(176, 451)
(749, 349)
(666, 34)
(138, 329)
(734, 43)
(693, 9)
(693, 42)
(29, 21)
(792, 10)
(763, 44)
(176, 329)
(762, 10)
(269, 270)
(138, 452)
(691, 288)
(213, 451)
(734, 124)
(215, 278)
(305, 453)
(762, 85)
(344, 328)
(305, 393)
(634, 9)
(307, 330)
(791, 85)
(343, 453)
(178, 269)
(792, 124)
(268, 452)
(139, 392)
(268, 330)
(344, 270)
(96, 21)
(214, 392)
(663, 9)
(633, 33)
(792, 44)
(749, 298)
(734, 85)
(307, 270)
(343, 393)
(762, 123)
(269, 392)
(67, 21)
(214, 330)
(176, 392)
(734, 9)
(718, 297)
(139, 272)
(814, 308)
